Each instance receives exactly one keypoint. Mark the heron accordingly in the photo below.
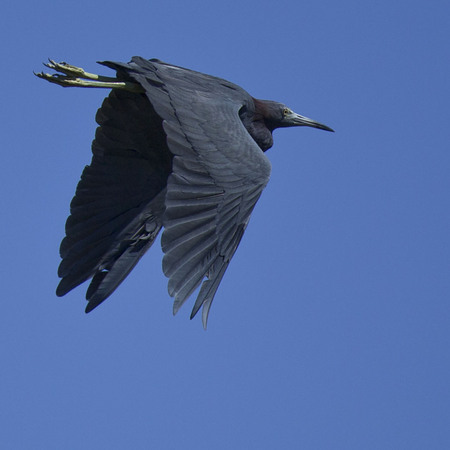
(177, 150)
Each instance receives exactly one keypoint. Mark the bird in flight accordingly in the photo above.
(176, 150)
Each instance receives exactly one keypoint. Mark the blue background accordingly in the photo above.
(330, 329)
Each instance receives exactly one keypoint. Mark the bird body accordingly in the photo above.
(175, 149)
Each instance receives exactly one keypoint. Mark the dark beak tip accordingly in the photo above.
(324, 127)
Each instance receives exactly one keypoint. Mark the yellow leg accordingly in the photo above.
(72, 76)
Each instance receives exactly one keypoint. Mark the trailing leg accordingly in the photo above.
(72, 76)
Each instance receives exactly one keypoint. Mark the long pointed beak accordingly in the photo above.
(298, 120)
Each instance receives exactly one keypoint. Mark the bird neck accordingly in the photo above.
(256, 127)
(261, 134)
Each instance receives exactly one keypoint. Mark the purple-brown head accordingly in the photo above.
(277, 115)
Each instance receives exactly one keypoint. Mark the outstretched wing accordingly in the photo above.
(217, 176)
(117, 210)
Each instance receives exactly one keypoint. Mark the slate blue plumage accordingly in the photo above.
(176, 150)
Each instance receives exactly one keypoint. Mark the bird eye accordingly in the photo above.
(286, 111)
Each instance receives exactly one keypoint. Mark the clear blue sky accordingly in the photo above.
(331, 328)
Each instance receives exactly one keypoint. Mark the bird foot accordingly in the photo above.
(72, 76)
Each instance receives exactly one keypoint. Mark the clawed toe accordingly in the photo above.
(73, 76)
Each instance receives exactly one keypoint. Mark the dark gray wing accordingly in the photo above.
(218, 175)
(117, 210)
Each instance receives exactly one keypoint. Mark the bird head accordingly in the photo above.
(278, 115)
